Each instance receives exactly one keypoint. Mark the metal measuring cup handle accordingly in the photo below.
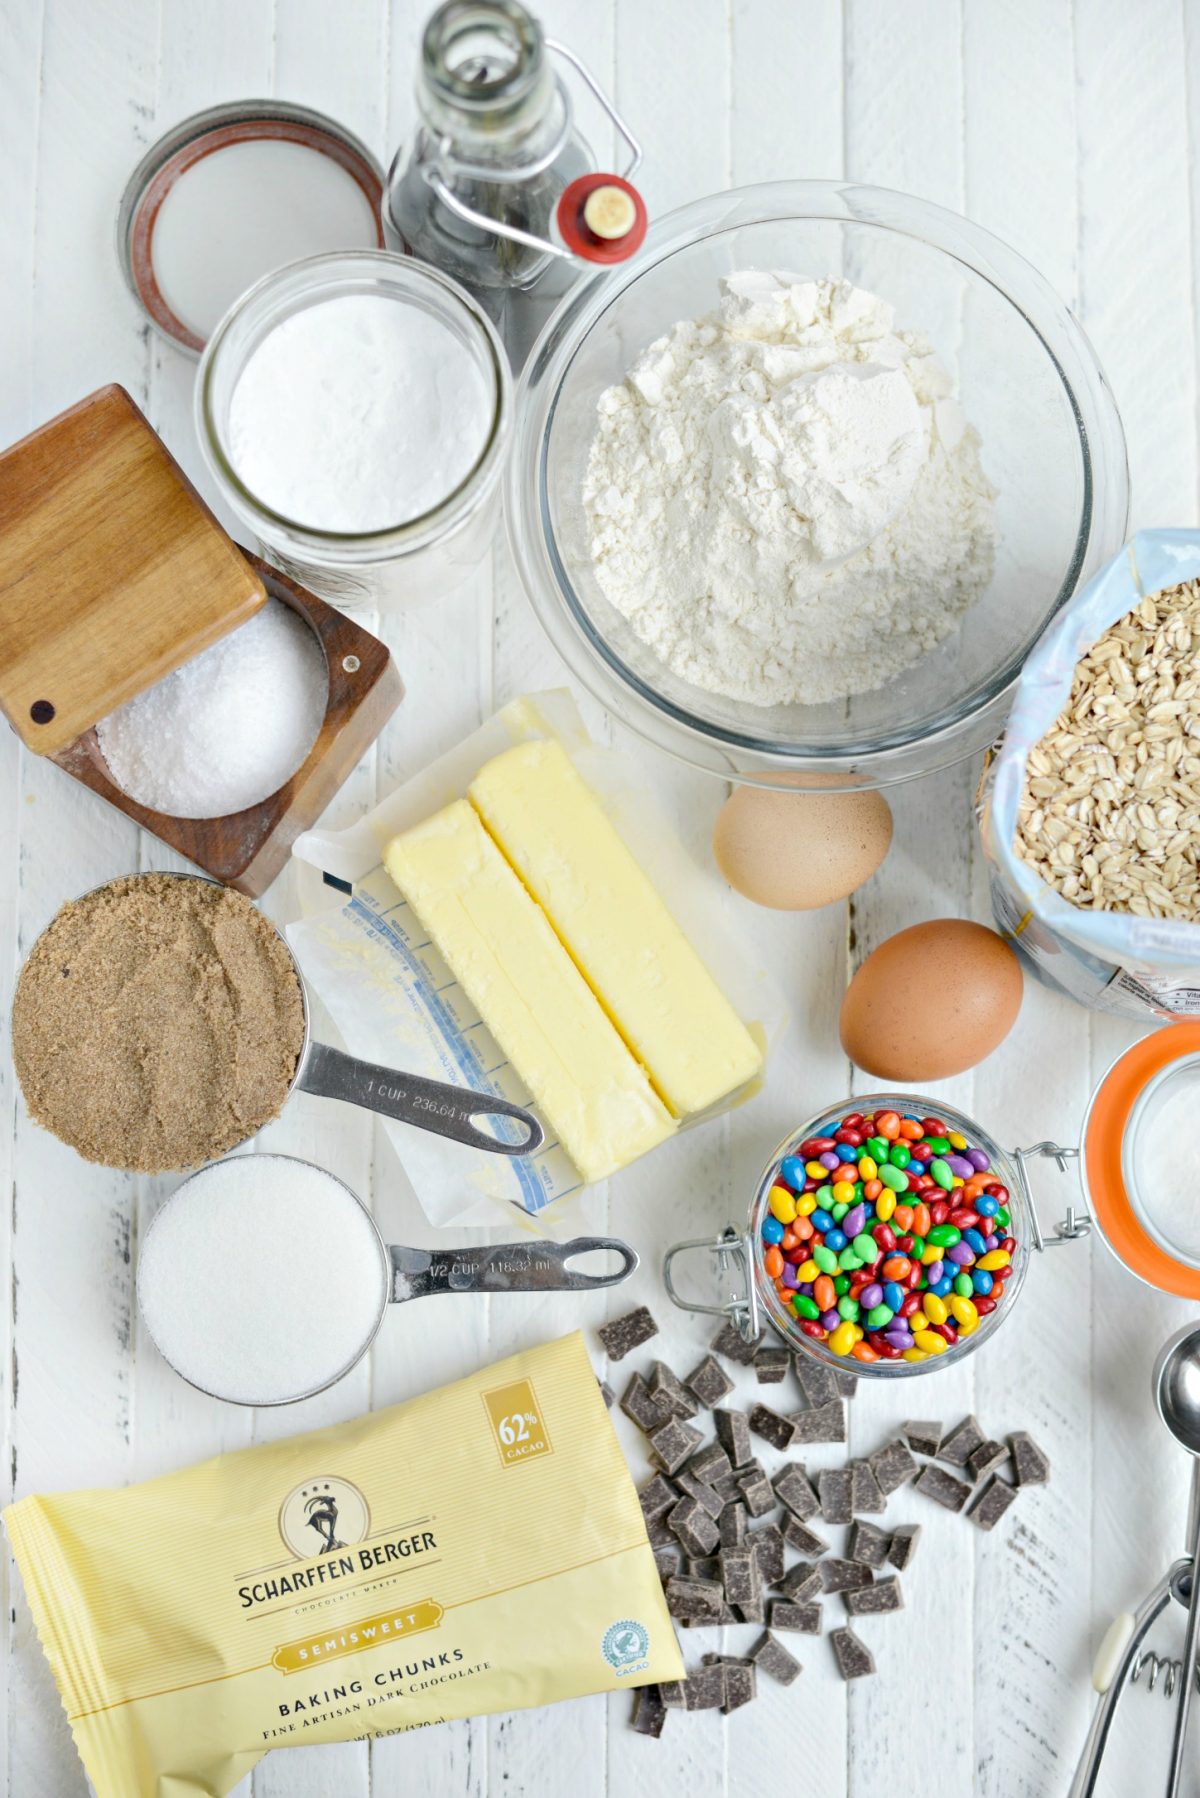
(504, 1267)
(411, 1099)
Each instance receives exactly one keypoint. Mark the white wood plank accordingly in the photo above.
(72, 1223)
(20, 95)
(786, 90)
(1132, 107)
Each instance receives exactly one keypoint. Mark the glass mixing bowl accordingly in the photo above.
(1026, 377)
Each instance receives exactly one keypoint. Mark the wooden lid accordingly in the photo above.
(113, 571)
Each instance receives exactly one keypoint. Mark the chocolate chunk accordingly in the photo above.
(667, 1562)
(729, 1342)
(706, 1567)
(846, 1383)
(756, 1492)
(834, 1489)
(704, 1689)
(957, 1448)
(733, 1434)
(923, 1437)
(770, 1365)
(753, 1611)
(868, 1545)
(709, 1382)
(904, 1545)
(639, 1403)
(942, 1487)
(843, 1576)
(773, 1658)
(666, 1386)
(694, 1527)
(671, 1693)
(659, 1533)
(817, 1381)
(709, 1464)
(797, 1535)
(825, 1423)
(865, 1493)
(853, 1657)
(1032, 1467)
(992, 1503)
(893, 1465)
(607, 1394)
(779, 1431)
(986, 1459)
(741, 1684)
(656, 1497)
(673, 1442)
(649, 1711)
(801, 1582)
(704, 1495)
(740, 1575)
(693, 1598)
(624, 1334)
(732, 1525)
(793, 1490)
(767, 1544)
(873, 1601)
(806, 1618)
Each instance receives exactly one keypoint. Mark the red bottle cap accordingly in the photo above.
(602, 218)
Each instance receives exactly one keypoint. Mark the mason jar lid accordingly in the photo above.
(1140, 1159)
(232, 193)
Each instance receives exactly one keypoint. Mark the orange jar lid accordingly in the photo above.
(1138, 1134)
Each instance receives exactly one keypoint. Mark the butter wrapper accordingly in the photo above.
(394, 1001)
(339, 1584)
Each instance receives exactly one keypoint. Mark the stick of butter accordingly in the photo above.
(500, 947)
(632, 953)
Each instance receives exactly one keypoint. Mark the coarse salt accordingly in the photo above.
(261, 1279)
(228, 728)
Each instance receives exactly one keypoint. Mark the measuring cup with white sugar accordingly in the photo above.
(263, 1279)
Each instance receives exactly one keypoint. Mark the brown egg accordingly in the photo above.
(931, 1001)
(797, 851)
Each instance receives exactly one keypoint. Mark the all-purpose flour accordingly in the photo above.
(784, 497)
(358, 414)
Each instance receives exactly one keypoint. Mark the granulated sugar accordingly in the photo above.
(261, 1279)
(227, 729)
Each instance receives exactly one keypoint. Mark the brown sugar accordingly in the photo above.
(157, 1023)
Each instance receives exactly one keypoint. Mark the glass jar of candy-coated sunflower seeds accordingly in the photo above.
(888, 1236)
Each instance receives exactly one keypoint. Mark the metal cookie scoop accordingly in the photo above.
(1121, 1658)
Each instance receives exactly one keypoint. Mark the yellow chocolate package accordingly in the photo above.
(477, 1549)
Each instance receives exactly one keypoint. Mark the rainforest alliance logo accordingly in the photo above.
(322, 1516)
(625, 1647)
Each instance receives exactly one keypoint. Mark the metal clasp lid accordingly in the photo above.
(575, 248)
(1077, 1223)
(732, 1253)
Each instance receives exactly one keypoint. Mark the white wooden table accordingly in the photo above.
(1066, 127)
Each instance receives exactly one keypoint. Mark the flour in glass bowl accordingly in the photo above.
(784, 498)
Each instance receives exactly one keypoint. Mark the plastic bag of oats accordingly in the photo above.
(1089, 809)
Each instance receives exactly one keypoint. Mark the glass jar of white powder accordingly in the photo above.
(355, 410)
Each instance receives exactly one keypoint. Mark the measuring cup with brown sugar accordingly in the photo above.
(160, 1020)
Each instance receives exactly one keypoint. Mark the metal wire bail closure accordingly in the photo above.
(732, 1253)
(575, 247)
(1077, 1223)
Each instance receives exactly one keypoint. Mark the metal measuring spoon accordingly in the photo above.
(203, 1256)
(1177, 1395)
